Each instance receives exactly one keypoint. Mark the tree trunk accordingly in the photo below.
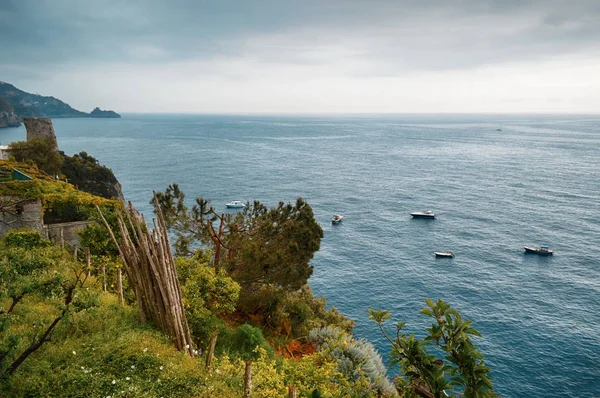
(292, 391)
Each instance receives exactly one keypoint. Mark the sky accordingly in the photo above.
(308, 56)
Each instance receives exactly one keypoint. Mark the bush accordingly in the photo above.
(246, 339)
(26, 238)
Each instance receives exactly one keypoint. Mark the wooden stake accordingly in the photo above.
(88, 259)
(103, 276)
(211, 350)
(120, 285)
(248, 380)
(151, 271)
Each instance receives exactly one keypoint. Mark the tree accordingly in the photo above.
(262, 246)
(462, 372)
(84, 171)
(40, 151)
(31, 268)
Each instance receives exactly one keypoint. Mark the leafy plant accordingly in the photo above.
(461, 370)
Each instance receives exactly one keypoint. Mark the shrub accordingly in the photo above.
(26, 238)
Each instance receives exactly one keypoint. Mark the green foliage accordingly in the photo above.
(461, 371)
(274, 246)
(207, 294)
(25, 238)
(41, 276)
(244, 341)
(354, 358)
(108, 353)
(267, 251)
(29, 190)
(84, 171)
(40, 151)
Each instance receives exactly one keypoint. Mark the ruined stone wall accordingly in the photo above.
(40, 127)
(24, 215)
(66, 232)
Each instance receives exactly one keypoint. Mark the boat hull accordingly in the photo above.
(421, 215)
(444, 254)
(337, 219)
(538, 251)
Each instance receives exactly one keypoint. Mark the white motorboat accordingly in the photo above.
(423, 214)
(235, 204)
(337, 219)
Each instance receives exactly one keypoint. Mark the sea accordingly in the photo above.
(495, 182)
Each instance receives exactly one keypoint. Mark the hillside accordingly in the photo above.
(8, 117)
(34, 105)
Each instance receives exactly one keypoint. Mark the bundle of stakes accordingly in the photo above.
(151, 271)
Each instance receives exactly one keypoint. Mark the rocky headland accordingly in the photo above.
(22, 104)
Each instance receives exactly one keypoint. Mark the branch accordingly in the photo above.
(36, 344)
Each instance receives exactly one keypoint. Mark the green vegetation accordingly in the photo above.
(461, 369)
(86, 344)
(88, 175)
(39, 151)
(243, 278)
(61, 202)
(266, 251)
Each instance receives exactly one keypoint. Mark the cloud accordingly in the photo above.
(201, 46)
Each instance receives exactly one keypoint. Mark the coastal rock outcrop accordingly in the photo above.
(8, 117)
(97, 112)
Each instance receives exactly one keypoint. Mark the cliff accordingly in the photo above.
(8, 117)
(26, 105)
(97, 112)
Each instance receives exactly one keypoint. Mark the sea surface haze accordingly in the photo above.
(496, 184)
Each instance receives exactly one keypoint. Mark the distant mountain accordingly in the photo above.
(8, 117)
(97, 112)
(26, 104)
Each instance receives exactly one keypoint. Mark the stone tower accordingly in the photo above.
(40, 127)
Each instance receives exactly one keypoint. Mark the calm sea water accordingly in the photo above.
(536, 181)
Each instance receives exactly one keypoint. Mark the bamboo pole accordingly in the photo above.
(152, 274)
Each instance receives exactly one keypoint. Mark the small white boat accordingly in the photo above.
(543, 250)
(423, 214)
(235, 204)
(444, 254)
(337, 219)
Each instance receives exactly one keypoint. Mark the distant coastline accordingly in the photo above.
(16, 104)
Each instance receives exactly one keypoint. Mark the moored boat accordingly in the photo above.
(337, 219)
(444, 254)
(543, 250)
(235, 204)
(423, 214)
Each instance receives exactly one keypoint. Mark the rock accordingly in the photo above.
(97, 112)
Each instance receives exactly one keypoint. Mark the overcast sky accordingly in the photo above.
(377, 56)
